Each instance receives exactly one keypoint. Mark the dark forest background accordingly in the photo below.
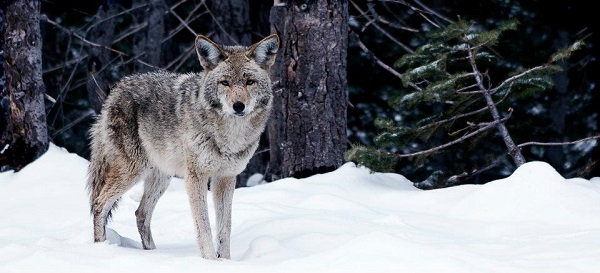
(88, 45)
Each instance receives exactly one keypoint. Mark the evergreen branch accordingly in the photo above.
(440, 122)
(472, 92)
(486, 126)
(465, 114)
(516, 77)
(470, 125)
(462, 90)
(557, 143)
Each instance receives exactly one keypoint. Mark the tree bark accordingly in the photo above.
(23, 133)
(308, 128)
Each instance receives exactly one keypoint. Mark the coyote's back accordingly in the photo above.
(198, 126)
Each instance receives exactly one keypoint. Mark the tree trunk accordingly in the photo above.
(148, 41)
(559, 108)
(231, 22)
(513, 150)
(103, 33)
(308, 129)
(23, 133)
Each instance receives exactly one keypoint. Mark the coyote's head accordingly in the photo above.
(236, 78)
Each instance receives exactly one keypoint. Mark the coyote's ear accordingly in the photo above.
(265, 51)
(209, 53)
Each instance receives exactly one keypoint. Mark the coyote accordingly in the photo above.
(199, 126)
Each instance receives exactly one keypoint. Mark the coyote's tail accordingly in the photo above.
(97, 172)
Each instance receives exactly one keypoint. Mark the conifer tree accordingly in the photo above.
(450, 75)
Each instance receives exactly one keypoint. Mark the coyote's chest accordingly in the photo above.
(218, 150)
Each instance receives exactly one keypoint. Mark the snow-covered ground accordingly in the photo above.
(349, 220)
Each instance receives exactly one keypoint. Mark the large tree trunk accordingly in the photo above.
(23, 133)
(103, 33)
(308, 129)
(148, 41)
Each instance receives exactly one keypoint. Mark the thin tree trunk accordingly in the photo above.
(513, 150)
(308, 132)
(23, 134)
(231, 22)
(559, 108)
(103, 33)
(148, 41)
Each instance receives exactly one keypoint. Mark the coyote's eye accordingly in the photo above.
(224, 83)
(250, 82)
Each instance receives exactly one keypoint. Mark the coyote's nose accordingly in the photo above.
(238, 107)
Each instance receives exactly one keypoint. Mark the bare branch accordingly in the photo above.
(101, 94)
(419, 11)
(188, 20)
(132, 30)
(221, 28)
(65, 64)
(455, 178)
(183, 22)
(90, 112)
(181, 59)
(557, 143)
(383, 31)
(83, 39)
(115, 15)
(379, 62)
(380, 19)
(431, 11)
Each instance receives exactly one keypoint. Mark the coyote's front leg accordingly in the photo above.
(222, 191)
(197, 187)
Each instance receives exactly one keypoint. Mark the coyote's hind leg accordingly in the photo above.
(155, 185)
(116, 184)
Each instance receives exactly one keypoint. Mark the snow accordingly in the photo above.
(348, 220)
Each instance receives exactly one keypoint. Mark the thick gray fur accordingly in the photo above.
(199, 126)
